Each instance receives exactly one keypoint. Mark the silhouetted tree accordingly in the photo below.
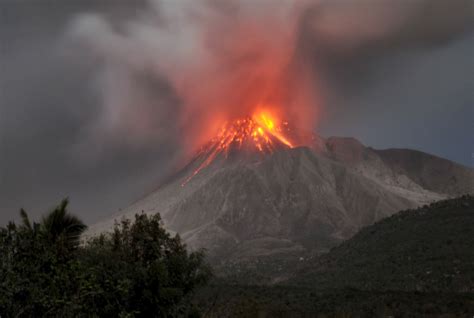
(61, 228)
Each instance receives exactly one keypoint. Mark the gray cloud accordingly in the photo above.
(396, 74)
(48, 101)
(347, 27)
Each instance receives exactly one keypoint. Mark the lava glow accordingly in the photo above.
(262, 131)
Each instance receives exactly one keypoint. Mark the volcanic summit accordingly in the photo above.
(260, 133)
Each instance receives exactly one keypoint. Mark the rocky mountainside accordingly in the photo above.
(294, 200)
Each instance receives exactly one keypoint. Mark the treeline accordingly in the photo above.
(138, 270)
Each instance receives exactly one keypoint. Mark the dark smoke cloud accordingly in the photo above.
(343, 27)
(87, 112)
(347, 36)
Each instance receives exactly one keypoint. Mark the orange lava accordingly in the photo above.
(262, 131)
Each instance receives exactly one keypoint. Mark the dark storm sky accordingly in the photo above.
(412, 89)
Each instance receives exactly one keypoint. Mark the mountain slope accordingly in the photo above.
(416, 263)
(291, 200)
(428, 249)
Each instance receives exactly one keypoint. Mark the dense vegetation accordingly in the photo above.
(219, 300)
(417, 263)
(138, 270)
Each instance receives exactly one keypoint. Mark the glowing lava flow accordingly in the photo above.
(261, 131)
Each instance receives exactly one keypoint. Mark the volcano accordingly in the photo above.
(260, 188)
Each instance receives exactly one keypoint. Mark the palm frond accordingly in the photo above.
(25, 219)
(59, 224)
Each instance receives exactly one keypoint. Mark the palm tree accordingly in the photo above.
(62, 228)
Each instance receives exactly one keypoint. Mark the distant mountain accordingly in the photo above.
(245, 203)
(430, 249)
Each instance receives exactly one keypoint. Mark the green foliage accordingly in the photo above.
(139, 270)
(35, 267)
(219, 300)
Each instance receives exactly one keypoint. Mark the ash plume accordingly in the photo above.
(178, 69)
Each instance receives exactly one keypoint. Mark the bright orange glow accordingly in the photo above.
(266, 122)
(262, 131)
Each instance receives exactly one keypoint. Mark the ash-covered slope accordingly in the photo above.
(294, 200)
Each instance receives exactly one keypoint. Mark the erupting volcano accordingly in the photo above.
(262, 132)
(259, 188)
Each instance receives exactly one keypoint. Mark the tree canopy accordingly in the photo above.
(138, 270)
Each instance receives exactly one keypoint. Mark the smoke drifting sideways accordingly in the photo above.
(178, 69)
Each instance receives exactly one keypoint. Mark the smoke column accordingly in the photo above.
(178, 69)
(220, 60)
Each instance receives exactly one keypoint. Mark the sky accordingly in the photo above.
(85, 115)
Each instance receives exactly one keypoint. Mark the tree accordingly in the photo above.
(138, 270)
(143, 270)
(37, 259)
